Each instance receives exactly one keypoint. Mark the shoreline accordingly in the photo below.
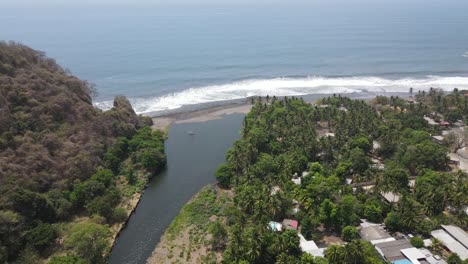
(132, 204)
(164, 121)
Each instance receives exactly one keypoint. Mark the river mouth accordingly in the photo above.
(194, 151)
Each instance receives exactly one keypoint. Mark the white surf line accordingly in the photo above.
(288, 87)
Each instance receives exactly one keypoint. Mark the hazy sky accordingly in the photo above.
(76, 3)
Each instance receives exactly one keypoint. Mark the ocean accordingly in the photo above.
(169, 57)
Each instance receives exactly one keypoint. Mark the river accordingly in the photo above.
(191, 163)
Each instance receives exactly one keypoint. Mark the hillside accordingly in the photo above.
(60, 157)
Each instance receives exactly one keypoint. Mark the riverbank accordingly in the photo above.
(130, 206)
(164, 123)
(189, 238)
(191, 162)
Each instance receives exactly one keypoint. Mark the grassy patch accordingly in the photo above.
(196, 212)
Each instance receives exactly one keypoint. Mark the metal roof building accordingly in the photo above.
(373, 232)
(450, 243)
(457, 233)
(391, 250)
(309, 246)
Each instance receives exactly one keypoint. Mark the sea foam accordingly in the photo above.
(287, 87)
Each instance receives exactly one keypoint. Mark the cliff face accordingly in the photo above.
(50, 133)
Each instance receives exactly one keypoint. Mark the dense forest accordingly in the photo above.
(68, 171)
(339, 145)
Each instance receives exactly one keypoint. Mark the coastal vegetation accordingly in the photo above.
(70, 174)
(198, 233)
(337, 147)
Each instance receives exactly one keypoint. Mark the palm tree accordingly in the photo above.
(254, 241)
(351, 253)
(334, 254)
(290, 241)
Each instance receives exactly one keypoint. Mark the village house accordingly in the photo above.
(454, 159)
(290, 224)
(430, 121)
(454, 239)
(309, 246)
(419, 256)
(444, 123)
(390, 197)
(374, 233)
(275, 226)
(391, 250)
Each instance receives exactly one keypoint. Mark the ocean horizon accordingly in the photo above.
(165, 58)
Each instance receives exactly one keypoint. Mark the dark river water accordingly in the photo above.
(191, 163)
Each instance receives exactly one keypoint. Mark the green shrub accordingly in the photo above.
(417, 242)
(219, 233)
(103, 205)
(349, 233)
(455, 259)
(151, 159)
(392, 221)
(119, 215)
(103, 176)
(41, 236)
(224, 175)
(32, 205)
(89, 241)
(86, 191)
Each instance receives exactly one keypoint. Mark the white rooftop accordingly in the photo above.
(296, 181)
(453, 245)
(275, 226)
(413, 254)
(454, 156)
(457, 233)
(432, 259)
(390, 197)
(430, 121)
(375, 145)
(374, 232)
(383, 240)
(427, 242)
(309, 246)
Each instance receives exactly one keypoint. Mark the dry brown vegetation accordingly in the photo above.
(50, 132)
(51, 138)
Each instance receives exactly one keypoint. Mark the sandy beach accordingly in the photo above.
(212, 113)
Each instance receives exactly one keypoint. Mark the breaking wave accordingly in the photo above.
(465, 54)
(287, 87)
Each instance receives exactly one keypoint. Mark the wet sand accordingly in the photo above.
(204, 115)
